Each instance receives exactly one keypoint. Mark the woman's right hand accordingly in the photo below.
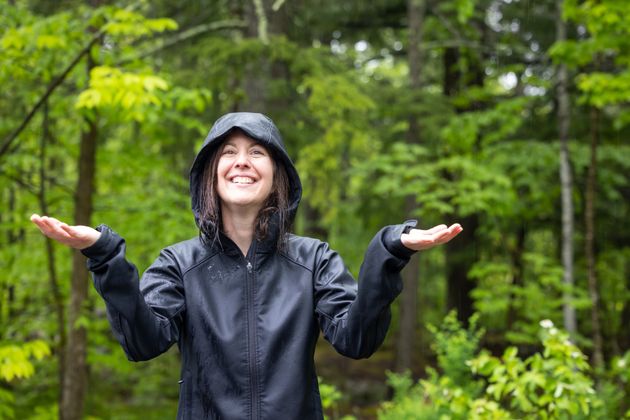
(78, 237)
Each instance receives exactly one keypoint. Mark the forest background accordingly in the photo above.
(508, 116)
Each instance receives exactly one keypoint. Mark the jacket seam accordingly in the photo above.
(287, 257)
(332, 319)
(123, 335)
(179, 309)
(184, 272)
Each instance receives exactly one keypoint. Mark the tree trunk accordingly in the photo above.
(75, 375)
(452, 73)
(461, 254)
(566, 182)
(257, 71)
(409, 299)
(517, 274)
(589, 242)
(58, 303)
(623, 336)
(12, 238)
(408, 316)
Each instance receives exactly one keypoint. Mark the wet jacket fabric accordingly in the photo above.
(246, 325)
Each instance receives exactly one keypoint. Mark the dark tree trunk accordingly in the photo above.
(623, 338)
(58, 303)
(409, 300)
(408, 317)
(517, 273)
(12, 238)
(452, 73)
(589, 242)
(75, 375)
(460, 256)
(258, 69)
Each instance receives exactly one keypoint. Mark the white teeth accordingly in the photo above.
(242, 180)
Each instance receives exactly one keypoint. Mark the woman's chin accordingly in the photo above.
(240, 204)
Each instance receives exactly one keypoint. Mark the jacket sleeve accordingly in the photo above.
(355, 318)
(146, 316)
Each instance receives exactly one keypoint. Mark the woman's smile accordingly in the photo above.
(242, 180)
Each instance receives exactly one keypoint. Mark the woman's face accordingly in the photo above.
(244, 173)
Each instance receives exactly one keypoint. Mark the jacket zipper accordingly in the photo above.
(251, 329)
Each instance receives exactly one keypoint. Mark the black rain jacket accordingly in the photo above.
(246, 326)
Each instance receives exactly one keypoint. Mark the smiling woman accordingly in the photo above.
(245, 301)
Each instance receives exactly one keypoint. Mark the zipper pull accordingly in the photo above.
(249, 267)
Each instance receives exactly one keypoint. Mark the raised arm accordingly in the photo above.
(145, 319)
(353, 317)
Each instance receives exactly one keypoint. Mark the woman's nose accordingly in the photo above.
(242, 160)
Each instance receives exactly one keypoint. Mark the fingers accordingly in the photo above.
(434, 229)
(424, 239)
(50, 227)
(39, 222)
(448, 234)
(440, 234)
(55, 226)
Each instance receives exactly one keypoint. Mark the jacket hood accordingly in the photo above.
(260, 128)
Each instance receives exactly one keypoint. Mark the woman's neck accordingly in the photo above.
(239, 226)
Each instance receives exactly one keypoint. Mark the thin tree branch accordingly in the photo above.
(183, 36)
(26, 186)
(51, 88)
(19, 179)
(262, 21)
(447, 24)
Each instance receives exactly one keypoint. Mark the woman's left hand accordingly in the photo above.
(419, 240)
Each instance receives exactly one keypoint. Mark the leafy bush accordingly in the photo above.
(331, 397)
(551, 384)
(454, 346)
(16, 362)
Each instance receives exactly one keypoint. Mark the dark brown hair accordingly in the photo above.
(273, 215)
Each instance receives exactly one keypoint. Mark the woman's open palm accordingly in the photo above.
(419, 240)
(78, 237)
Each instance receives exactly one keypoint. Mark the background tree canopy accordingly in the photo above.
(510, 117)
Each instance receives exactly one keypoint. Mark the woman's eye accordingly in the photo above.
(258, 152)
(228, 151)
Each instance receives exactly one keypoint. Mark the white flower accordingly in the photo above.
(546, 323)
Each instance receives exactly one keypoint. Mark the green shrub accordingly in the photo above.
(551, 384)
(331, 396)
(16, 362)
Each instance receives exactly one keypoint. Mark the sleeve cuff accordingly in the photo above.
(102, 245)
(394, 244)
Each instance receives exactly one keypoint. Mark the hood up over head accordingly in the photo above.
(260, 128)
